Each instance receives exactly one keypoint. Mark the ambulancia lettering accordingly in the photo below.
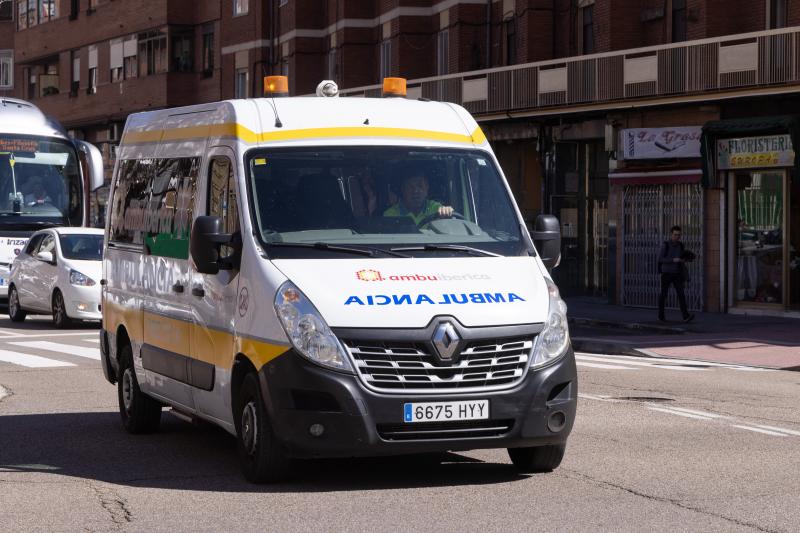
(440, 299)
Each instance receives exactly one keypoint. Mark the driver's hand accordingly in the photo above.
(446, 211)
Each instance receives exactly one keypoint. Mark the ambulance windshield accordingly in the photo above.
(415, 199)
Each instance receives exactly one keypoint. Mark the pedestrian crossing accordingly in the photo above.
(625, 363)
(74, 350)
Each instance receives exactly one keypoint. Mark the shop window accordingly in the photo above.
(152, 53)
(587, 16)
(6, 69)
(208, 51)
(183, 52)
(777, 14)
(678, 21)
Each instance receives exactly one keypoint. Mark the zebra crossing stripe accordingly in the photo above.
(607, 367)
(31, 361)
(89, 353)
(632, 363)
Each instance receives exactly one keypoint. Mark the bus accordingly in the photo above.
(45, 178)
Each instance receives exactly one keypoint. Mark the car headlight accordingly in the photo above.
(79, 278)
(554, 339)
(307, 330)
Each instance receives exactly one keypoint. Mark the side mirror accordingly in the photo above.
(94, 160)
(205, 242)
(547, 239)
(47, 257)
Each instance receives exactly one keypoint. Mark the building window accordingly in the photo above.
(333, 64)
(443, 52)
(47, 10)
(183, 51)
(75, 81)
(6, 10)
(130, 64)
(92, 86)
(777, 14)
(152, 53)
(678, 21)
(48, 80)
(588, 29)
(510, 41)
(208, 51)
(30, 79)
(240, 7)
(115, 60)
(386, 59)
(241, 83)
(6, 69)
(285, 67)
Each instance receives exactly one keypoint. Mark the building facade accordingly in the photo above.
(621, 117)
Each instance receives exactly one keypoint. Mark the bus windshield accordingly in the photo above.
(395, 200)
(40, 182)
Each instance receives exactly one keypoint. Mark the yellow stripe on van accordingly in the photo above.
(259, 352)
(248, 136)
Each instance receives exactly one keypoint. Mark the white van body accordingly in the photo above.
(459, 331)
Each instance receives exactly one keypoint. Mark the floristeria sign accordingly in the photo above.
(661, 143)
(755, 152)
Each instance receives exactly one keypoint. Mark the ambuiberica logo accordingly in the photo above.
(444, 298)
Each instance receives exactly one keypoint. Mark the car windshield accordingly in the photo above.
(399, 201)
(81, 247)
(40, 182)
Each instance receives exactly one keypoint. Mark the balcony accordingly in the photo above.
(767, 62)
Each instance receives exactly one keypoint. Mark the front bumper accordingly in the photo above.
(358, 422)
(83, 303)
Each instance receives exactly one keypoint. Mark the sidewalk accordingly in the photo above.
(599, 327)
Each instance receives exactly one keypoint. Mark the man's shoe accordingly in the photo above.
(688, 318)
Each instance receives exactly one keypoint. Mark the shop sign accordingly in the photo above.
(661, 143)
(755, 152)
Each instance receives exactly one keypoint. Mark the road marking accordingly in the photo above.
(759, 430)
(34, 335)
(633, 363)
(31, 361)
(679, 413)
(698, 413)
(787, 431)
(666, 362)
(598, 398)
(92, 340)
(608, 367)
(60, 348)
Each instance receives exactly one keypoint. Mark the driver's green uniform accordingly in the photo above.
(430, 208)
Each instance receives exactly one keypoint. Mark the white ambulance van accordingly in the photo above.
(332, 277)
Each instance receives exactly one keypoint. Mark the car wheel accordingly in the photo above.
(15, 312)
(537, 459)
(262, 458)
(140, 413)
(60, 318)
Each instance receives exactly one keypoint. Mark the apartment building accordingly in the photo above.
(622, 117)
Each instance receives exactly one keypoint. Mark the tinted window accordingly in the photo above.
(33, 243)
(82, 247)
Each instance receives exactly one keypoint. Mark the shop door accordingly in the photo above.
(760, 268)
(794, 243)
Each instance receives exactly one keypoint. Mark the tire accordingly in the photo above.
(60, 317)
(537, 459)
(15, 312)
(140, 413)
(262, 458)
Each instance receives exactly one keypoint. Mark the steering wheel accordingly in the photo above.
(436, 216)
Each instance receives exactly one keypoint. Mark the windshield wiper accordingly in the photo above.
(365, 251)
(446, 247)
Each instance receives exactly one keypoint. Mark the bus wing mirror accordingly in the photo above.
(547, 239)
(94, 162)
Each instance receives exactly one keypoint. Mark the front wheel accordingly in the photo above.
(140, 413)
(15, 312)
(60, 318)
(537, 459)
(261, 455)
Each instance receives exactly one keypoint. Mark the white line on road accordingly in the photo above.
(646, 363)
(787, 431)
(699, 413)
(598, 398)
(759, 430)
(35, 335)
(679, 413)
(607, 367)
(89, 353)
(92, 340)
(31, 361)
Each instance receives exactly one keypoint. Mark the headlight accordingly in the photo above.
(306, 329)
(79, 278)
(554, 339)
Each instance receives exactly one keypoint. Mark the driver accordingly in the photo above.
(414, 202)
(38, 195)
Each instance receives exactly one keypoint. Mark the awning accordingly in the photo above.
(659, 177)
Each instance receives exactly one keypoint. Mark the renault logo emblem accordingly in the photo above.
(445, 339)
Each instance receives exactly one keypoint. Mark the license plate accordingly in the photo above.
(446, 411)
(2, 282)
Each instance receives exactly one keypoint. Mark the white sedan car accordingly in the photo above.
(58, 272)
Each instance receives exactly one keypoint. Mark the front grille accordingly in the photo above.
(445, 430)
(414, 367)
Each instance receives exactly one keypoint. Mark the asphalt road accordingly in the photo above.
(658, 445)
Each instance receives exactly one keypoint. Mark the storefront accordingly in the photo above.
(763, 221)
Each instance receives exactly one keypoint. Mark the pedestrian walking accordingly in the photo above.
(672, 266)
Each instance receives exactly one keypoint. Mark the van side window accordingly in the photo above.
(130, 200)
(222, 201)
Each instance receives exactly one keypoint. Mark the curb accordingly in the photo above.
(605, 346)
(593, 322)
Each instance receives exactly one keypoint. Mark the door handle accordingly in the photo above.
(198, 291)
(178, 287)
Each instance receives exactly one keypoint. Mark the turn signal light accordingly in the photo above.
(394, 87)
(276, 86)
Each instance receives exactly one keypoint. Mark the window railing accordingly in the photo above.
(743, 61)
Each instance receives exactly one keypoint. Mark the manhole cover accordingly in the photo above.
(644, 399)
